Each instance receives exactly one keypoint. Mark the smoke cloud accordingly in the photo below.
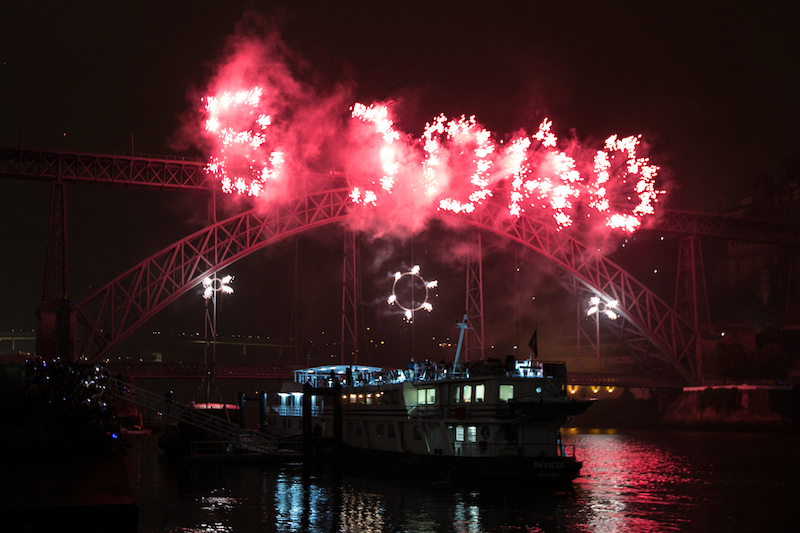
(271, 135)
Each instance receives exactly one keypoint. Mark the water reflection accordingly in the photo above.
(300, 505)
(630, 484)
(467, 516)
(642, 482)
(361, 511)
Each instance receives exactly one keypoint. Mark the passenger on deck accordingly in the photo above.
(443, 369)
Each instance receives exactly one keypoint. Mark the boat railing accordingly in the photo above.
(209, 447)
(472, 411)
(290, 443)
(296, 410)
(428, 372)
(248, 443)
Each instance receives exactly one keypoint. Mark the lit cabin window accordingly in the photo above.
(480, 392)
(430, 396)
(472, 434)
(369, 399)
(457, 395)
(353, 398)
(426, 396)
(467, 393)
(459, 433)
(506, 392)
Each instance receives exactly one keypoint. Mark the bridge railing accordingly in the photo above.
(168, 370)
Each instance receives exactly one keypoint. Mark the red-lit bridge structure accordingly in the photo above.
(658, 336)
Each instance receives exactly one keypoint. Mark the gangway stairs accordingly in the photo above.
(226, 430)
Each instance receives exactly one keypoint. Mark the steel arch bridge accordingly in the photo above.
(647, 325)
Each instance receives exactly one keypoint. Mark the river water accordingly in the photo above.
(632, 481)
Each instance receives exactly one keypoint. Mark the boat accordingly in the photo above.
(492, 419)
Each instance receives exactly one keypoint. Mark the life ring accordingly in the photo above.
(482, 446)
(485, 432)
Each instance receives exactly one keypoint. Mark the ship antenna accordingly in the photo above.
(463, 327)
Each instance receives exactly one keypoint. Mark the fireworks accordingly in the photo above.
(602, 308)
(241, 164)
(632, 167)
(215, 284)
(379, 116)
(413, 306)
(469, 141)
(455, 165)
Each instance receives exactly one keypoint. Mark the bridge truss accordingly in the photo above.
(120, 170)
(648, 326)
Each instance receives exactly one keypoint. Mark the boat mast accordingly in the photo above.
(463, 327)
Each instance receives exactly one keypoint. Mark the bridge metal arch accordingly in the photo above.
(119, 308)
(648, 325)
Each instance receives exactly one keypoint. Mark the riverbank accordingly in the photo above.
(63, 465)
(50, 487)
(730, 408)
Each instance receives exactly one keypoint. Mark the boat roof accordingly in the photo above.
(340, 369)
(214, 406)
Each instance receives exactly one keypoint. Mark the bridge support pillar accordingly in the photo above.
(56, 333)
(350, 298)
(474, 348)
(691, 296)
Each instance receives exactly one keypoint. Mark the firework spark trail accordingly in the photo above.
(379, 116)
(400, 181)
(410, 307)
(240, 164)
(456, 158)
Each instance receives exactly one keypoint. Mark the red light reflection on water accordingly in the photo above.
(630, 484)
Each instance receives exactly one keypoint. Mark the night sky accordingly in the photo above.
(711, 86)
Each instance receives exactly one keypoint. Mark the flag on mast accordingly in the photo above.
(533, 344)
